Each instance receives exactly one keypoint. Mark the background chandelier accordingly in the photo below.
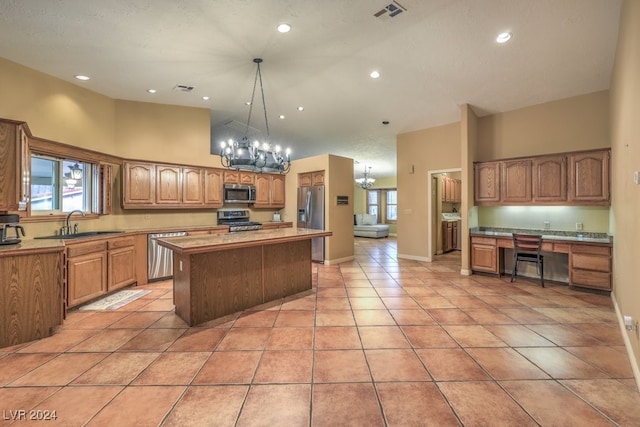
(255, 156)
(366, 182)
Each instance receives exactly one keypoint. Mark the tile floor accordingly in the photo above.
(379, 341)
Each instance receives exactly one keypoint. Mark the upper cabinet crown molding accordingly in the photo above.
(578, 178)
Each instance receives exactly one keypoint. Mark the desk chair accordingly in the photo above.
(526, 247)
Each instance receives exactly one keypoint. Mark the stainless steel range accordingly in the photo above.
(237, 220)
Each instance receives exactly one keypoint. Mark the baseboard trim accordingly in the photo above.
(338, 260)
(627, 343)
(415, 258)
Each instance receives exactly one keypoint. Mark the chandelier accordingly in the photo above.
(255, 156)
(366, 181)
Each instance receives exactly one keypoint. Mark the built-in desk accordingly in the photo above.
(589, 258)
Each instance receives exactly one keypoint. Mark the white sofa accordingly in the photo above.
(365, 226)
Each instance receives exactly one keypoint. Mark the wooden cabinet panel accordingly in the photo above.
(168, 185)
(122, 267)
(10, 160)
(589, 177)
(317, 178)
(487, 182)
(270, 191)
(31, 296)
(484, 255)
(590, 266)
(86, 277)
(457, 191)
(550, 179)
(139, 183)
(239, 177)
(193, 186)
(213, 188)
(516, 181)
(304, 180)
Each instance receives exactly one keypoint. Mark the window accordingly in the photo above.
(392, 205)
(60, 185)
(383, 203)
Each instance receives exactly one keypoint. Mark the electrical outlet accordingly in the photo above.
(547, 225)
(578, 226)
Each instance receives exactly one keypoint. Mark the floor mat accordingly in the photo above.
(117, 300)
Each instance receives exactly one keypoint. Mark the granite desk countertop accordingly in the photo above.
(570, 236)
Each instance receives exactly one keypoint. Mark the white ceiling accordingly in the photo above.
(433, 57)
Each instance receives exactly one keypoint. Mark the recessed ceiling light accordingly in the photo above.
(375, 74)
(81, 77)
(300, 108)
(151, 90)
(206, 98)
(282, 116)
(284, 28)
(504, 37)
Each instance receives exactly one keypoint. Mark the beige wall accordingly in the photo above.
(571, 124)
(71, 114)
(625, 159)
(338, 218)
(593, 218)
(418, 153)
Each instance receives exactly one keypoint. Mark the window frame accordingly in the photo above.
(381, 205)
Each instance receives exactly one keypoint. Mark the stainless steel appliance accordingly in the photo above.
(10, 222)
(159, 258)
(311, 215)
(239, 193)
(237, 220)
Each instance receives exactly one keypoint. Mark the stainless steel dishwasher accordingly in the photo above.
(159, 258)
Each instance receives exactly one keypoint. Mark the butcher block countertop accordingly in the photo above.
(221, 242)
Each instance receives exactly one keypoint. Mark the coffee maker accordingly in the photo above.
(10, 222)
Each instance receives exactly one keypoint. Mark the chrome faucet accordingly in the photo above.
(68, 227)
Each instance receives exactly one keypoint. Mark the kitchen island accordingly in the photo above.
(216, 275)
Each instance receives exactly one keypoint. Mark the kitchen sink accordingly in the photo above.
(79, 235)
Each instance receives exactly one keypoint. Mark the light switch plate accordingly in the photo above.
(636, 177)
(547, 225)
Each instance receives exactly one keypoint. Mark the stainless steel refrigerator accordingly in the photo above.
(311, 215)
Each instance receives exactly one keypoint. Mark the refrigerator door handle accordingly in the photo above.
(308, 208)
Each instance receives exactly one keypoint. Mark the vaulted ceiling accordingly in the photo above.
(432, 56)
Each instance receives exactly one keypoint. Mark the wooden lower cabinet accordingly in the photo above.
(96, 268)
(484, 254)
(590, 267)
(86, 272)
(121, 262)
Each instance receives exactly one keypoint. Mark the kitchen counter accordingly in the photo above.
(32, 246)
(219, 242)
(568, 236)
(216, 275)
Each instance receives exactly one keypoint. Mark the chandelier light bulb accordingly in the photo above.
(277, 148)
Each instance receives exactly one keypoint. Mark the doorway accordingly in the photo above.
(444, 206)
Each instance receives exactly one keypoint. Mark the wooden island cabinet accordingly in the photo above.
(216, 275)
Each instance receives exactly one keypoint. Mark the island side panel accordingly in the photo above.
(182, 286)
(225, 282)
(30, 297)
(287, 269)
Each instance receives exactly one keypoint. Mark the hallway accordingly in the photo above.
(378, 341)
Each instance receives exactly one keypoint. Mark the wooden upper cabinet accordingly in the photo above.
(457, 190)
(516, 181)
(589, 177)
(139, 183)
(193, 186)
(317, 178)
(304, 180)
(239, 177)
(168, 185)
(550, 179)
(270, 191)
(487, 182)
(13, 166)
(213, 188)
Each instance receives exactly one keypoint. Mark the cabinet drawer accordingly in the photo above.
(587, 249)
(122, 242)
(86, 248)
(484, 240)
(561, 248)
(591, 279)
(591, 262)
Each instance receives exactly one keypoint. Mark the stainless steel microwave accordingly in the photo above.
(238, 193)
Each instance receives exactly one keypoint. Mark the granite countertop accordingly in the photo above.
(32, 246)
(218, 242)
(570, 236)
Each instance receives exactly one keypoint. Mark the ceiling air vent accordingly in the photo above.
(390, 11)
(184, 88)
